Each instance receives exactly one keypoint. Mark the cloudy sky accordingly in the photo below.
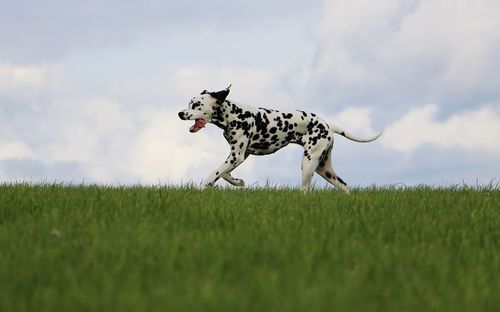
(90, 90)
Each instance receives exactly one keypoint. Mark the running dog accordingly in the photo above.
(262, 131)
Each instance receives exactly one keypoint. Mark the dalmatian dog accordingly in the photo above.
(262, 131)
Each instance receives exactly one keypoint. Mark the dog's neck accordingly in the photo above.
(218, 117)
(221, 116)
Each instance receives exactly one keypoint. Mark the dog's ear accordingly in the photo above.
(204, 92)
(221, 96)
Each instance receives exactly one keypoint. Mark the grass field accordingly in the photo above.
(71, 248)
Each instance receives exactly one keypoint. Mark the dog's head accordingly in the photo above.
(202, 107)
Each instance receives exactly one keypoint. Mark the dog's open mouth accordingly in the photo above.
(198, 124)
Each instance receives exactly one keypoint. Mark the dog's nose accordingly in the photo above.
(181, 115)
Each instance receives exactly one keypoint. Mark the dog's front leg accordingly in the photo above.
(232, 161)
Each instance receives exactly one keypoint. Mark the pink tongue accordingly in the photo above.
(199, 123)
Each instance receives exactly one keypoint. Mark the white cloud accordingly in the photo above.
(15, 150)
(165, 150)
(404, 48)
(354, 119)
(82, 131)
(471, 130)
(11, 144)
(27, 77)
(457, 40)
(346, 24)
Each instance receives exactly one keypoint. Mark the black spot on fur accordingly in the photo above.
(341, 181)
(196, 104)
(261, 145)
(245, 115)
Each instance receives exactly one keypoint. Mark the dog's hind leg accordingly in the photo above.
(308, 167)
(329, 175)
(325, 170)
(310, 161)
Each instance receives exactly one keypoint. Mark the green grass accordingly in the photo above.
(71, 248)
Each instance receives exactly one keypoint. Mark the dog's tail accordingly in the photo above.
(352, 137)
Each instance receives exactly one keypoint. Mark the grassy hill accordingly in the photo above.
(70, 248)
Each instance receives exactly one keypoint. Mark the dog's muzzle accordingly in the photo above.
(198, 122)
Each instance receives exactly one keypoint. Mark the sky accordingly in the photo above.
(90, 90)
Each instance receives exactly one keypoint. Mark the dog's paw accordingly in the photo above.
(238, 182)
(204, 185)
